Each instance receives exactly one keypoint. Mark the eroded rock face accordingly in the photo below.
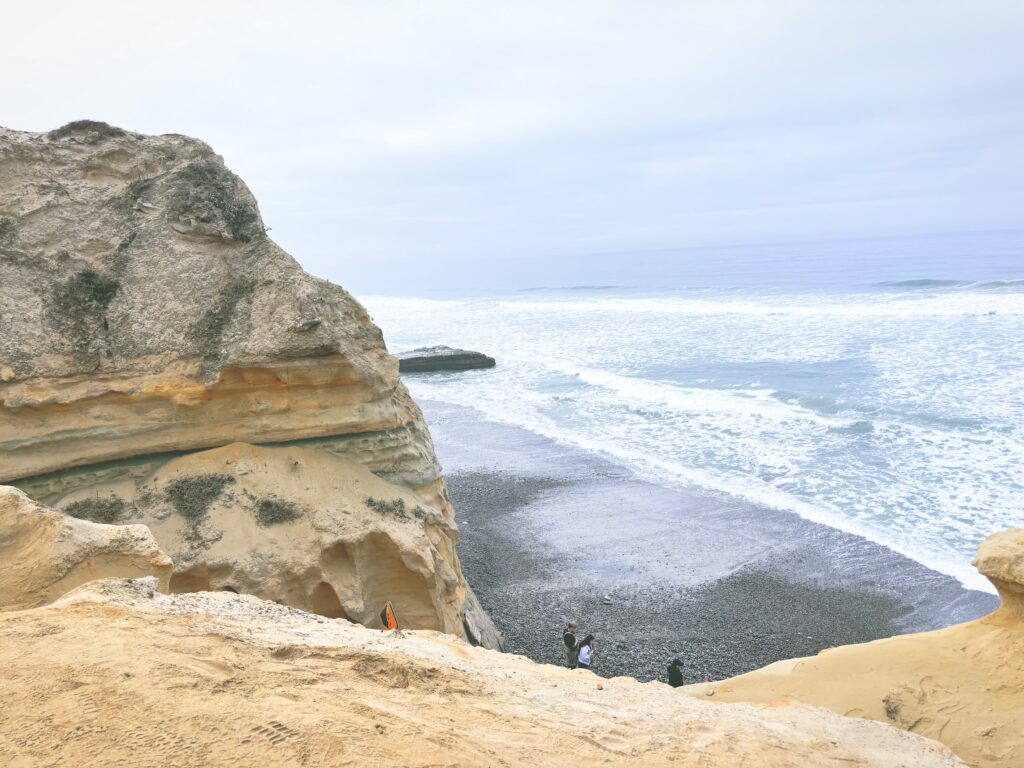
(1000, 559)
(146, 314)
(962, 685)
(47, 553)
(145, 310)
(299, 527)
(216, 679)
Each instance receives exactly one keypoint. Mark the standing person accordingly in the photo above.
(586, 654)
(675, 673)
(572, 650)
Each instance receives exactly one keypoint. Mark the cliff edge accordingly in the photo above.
(220, 679)
(963, 685)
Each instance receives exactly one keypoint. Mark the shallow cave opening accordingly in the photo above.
(326, 602)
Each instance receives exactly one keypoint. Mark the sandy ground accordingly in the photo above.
(547, 532)
(114, 676)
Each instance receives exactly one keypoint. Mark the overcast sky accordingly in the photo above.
(386, 138)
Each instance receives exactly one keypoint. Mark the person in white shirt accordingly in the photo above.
(586, 657)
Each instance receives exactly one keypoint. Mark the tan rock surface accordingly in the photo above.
(146, 313)
(217, 679)
(46, 554)
(145, 310)
(963, 685)
(293, 525)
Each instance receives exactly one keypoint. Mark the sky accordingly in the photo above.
(401, 144)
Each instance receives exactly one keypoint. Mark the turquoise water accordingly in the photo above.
(890, 407)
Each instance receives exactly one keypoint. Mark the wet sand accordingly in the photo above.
(549, 532)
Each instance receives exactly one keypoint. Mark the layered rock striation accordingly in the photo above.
(217, 679)
(145, 310)
(146, 316)
(963, 685)
(46, 553)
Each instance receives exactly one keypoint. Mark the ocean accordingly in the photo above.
(873, 386)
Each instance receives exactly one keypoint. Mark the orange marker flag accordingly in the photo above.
(387, 616)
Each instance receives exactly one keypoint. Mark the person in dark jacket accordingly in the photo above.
(572, 651)
(675, 673)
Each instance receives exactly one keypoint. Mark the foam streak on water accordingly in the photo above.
(895, 413)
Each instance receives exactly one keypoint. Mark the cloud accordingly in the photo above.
(382, 135)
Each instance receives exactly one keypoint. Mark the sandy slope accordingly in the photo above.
(963, 685)
(113, 675)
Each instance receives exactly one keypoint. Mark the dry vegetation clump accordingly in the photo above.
(394, 508)
(99, 510)
(192, 496)
(272, 511)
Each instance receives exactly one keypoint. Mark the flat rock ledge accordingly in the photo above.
(442, 358)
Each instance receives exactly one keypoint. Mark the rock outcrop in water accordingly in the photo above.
(147, 314)
(442, 358)
(963, 685)
(216, 679)
(46, 554)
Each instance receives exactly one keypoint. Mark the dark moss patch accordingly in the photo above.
(78, 311)
(126, 199)
(118, 261)
(272, 511)
(192, 496)
(91, 130)
(210, 193)
(6, 229)
(85, 292)
(99, 510)
(209, 331)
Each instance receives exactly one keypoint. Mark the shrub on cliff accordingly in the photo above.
(98, 510)
(209, 192)
(395, 508)
(91, 130)
(192, 496)
(272, 511)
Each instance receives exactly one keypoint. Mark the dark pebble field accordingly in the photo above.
(549, 533)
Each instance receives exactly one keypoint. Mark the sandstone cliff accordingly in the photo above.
(963, 685)
(145, 313)
(219, 679)
(46, 554)
(298, 526)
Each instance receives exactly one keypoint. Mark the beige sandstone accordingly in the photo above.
(336, 555)
(146, 313)
(46, 554)
(216, 679)
(963, 685)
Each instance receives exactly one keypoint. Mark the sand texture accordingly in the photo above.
(963, 686)
(219, 679)
(45, 554)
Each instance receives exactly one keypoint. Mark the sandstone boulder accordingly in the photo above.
(963, 685)
(46, 553)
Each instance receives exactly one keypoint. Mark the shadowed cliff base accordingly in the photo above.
(548, 531)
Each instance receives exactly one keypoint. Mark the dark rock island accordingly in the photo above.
(442, 358)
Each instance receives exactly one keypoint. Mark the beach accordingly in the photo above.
(550, 532)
